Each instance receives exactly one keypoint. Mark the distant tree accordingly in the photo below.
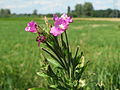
(116, 13)
(49, 15)
(112, 13)
(35, 12)
(79, 10)
(109, 12)
(106, 13)
(59, 14)
(119, 13)
(68, 10)
(1, 12)
(88, 9)
(5, 12)
(73, 13)
(99, 13)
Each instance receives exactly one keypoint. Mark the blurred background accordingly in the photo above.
(96, 29)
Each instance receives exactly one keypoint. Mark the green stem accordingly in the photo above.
(56, 53)
(67, 40)
(69, 61)
(59, 50)
(63, 54)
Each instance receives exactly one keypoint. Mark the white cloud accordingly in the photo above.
(43, 6)
(117, 4)
(21, 3)
(1, 1)
(51, 6)
(102, 4)
(14, 6)
(26, 4)
(41, 2)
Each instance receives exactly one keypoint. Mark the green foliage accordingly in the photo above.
(88, 9)
(68, 10)
(68, 73)
(34, 12)
(5, 12)
(79, 10)
(83, 10)
(37, 89)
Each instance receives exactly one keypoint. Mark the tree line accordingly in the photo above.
(81, 10)
(87, 10)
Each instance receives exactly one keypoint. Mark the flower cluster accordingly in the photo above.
(40, 39)
(34, 28)
(60, 24)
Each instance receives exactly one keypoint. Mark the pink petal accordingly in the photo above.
(27, 28)
(56, 31)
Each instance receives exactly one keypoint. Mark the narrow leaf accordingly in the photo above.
(53, 56)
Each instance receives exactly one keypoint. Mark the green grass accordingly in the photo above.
(20, 56)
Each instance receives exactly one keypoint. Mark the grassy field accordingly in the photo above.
(20, 56)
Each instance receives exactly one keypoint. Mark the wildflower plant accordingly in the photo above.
(64, 70)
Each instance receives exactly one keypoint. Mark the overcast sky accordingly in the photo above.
(53, 6)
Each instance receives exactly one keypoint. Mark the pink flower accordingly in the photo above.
(31, 27)
(59, 27)
(60, 24)
(40, 39)
(56, 31)
(66, 18)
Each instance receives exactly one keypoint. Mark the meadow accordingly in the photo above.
(20, 55)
